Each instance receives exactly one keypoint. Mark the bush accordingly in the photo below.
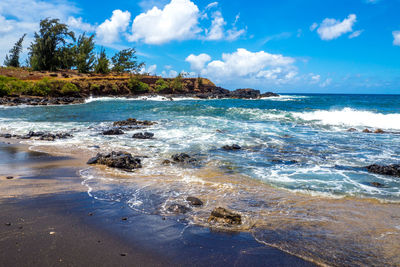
(161, 85)
(94, 87)
(13, 86)
(69, 89)
(135, 85)
(177, 83)
(42, 87)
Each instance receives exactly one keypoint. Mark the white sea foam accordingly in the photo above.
(140, 98)
(285, 98)
(351, 117)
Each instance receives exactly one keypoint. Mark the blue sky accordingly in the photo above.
(288, 46)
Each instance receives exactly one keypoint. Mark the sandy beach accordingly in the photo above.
(48, 219)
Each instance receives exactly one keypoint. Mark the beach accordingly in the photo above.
(295, 177)
(48, 219)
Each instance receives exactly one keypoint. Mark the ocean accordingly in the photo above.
(299, 179)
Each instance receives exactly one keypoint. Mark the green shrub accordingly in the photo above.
(19, 87)
(94, 87)
(177, 83)
(115, 88)
(135, 85)
(42, 87)
(69, 89)
(161, 85)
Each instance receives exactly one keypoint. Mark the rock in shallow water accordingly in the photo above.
(194, 201)
(224, 216)
(145, 135)
(183, 158)
(119, 160)
(392, 170)
(114, 131)
(133, 122)
(232, 147)
(178, 208)
(376, 184)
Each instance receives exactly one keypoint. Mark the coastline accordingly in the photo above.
(65, 226)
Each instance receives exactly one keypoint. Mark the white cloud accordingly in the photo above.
(212, 5)
(396, 36)
(356, 34)
(197, 63)
(78, 24)
(178, 20)
(331, 28)
(109, 31)
(243, 64)
(169, 74)
(216, 31)
(150, 69)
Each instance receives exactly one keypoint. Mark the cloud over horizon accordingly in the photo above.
(331, 29)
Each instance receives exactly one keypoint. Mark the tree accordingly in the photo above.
(12, 60)
(67, 56)
(45, 52)
(125, 61)
(85, 57)
(102, 64)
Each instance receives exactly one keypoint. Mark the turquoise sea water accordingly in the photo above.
(297, 142)
(299, 180)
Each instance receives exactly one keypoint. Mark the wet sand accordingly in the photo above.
(48, 219)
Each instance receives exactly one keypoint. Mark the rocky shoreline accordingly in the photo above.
(218, 93)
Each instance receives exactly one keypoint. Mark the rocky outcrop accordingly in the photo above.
(40, 101)
(224, 216)
(133, 122)
(114, 131)
(194, 201)
(39, 136)
(119, 160)
(183, 158)
(232, 147)
(392, 170)
(145, 135)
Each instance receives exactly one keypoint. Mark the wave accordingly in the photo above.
(140, 98)
(285, 98)
(351, 117)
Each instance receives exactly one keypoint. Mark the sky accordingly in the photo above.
(286, 46)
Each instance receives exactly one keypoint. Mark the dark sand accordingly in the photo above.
(48, 219)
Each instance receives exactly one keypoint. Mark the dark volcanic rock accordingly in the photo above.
(376, 184)
(269, 94)
(224, 216)
(392, 170)
(134, 122)
(120, 160)
(183, 158)
(194, 201)
(168, 162)
(366, 131)
(34, 101)
(145, 135)
(178, 208)
(352, 130)
(232, 147)
(246, 93)
(114, 131)
(379, 131)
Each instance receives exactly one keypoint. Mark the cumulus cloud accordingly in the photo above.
(198, 62)
(396, 36)
(243, 64)
(110, 30)
(331, 29)
(178, 20)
